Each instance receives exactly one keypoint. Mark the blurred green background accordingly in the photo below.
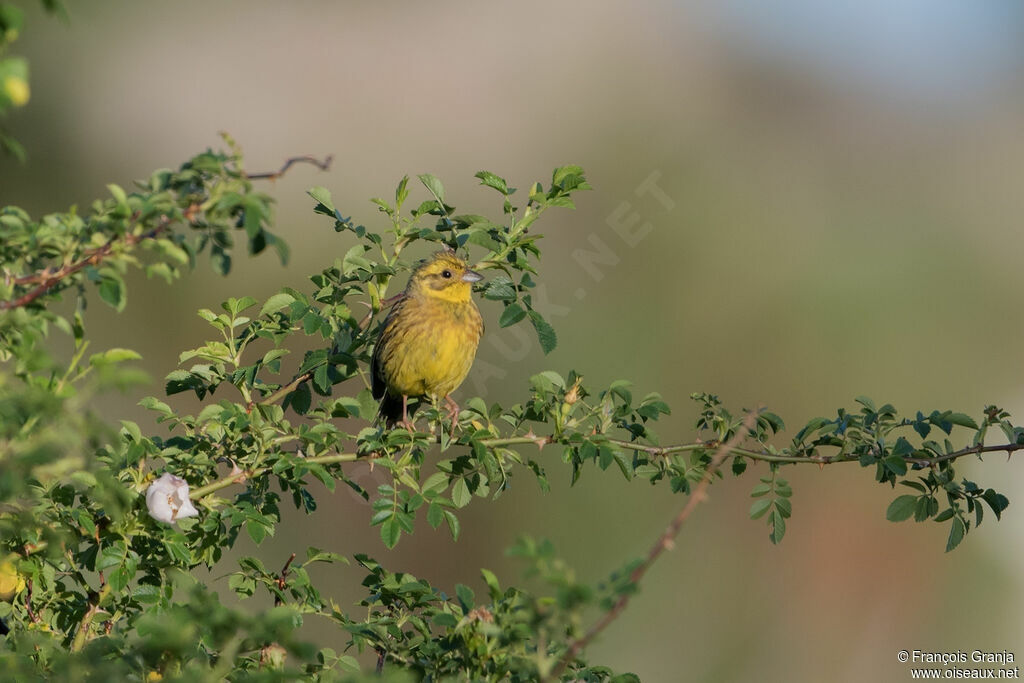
(845, 209)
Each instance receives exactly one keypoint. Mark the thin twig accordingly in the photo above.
(82, 635)
(239, 477)
(28, 601)
(666, 541)
(282, 580)
(287, 388)
(304, 159)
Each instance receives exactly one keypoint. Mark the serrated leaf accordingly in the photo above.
(778, 525)
(901, 508)
(391, 531)
(276, 303)
(322, 195)
(896, 465)
(453, 524)
(435, 515)
(491, 180)
(500, 288)
(257, 532)
(460, 494)
(956, 533)
(545, 333)
(760, 507)
(512, 314)
(962, 420)
(432, 183)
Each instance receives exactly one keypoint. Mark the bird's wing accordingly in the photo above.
(378, 385)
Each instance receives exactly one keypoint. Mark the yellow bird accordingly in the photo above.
(428, 341)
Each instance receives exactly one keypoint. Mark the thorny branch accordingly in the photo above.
(47, 278)
(733, 450)
(666, 541)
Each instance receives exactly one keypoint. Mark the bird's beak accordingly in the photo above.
(472, 276)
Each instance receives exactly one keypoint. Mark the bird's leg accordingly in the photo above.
(452, 412)
(406, 422)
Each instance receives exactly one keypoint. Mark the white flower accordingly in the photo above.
(167, 499)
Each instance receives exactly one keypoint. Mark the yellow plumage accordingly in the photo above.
(428, 341)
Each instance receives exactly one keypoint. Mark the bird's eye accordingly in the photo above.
(446, 274)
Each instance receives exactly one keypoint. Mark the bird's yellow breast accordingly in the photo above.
(429, 345)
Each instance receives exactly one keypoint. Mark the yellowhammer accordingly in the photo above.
(428, 340)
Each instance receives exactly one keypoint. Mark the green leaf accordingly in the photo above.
(435, 515)
(117, 193)
(466, 596)
(545, 333)
(276, 303)
(512, 314)
(368, 406)
(110, 556)
(778, 525)
(962, 420)
(382, 515)
(391, 531)
(997, 501)
(760, 507)
(112, 289)
(453, 524)
(434, 185)
(867, 403)
(460, 494)
(111, 356)
(500, 288)
(956, 533)
(445, 620)
(257, 532)
(491, 180)
(492, 584)
(300, 399)
(896, 464)
(322, 380)
(901, 508)
(322, 195)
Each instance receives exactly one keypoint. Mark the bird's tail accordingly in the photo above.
(390, 410)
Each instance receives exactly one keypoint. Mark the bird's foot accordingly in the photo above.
(453, 414)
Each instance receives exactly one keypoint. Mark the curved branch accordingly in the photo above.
(666, 541)
(304, 159)
(48, 279)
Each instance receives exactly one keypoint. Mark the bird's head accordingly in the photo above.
(443, 276)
